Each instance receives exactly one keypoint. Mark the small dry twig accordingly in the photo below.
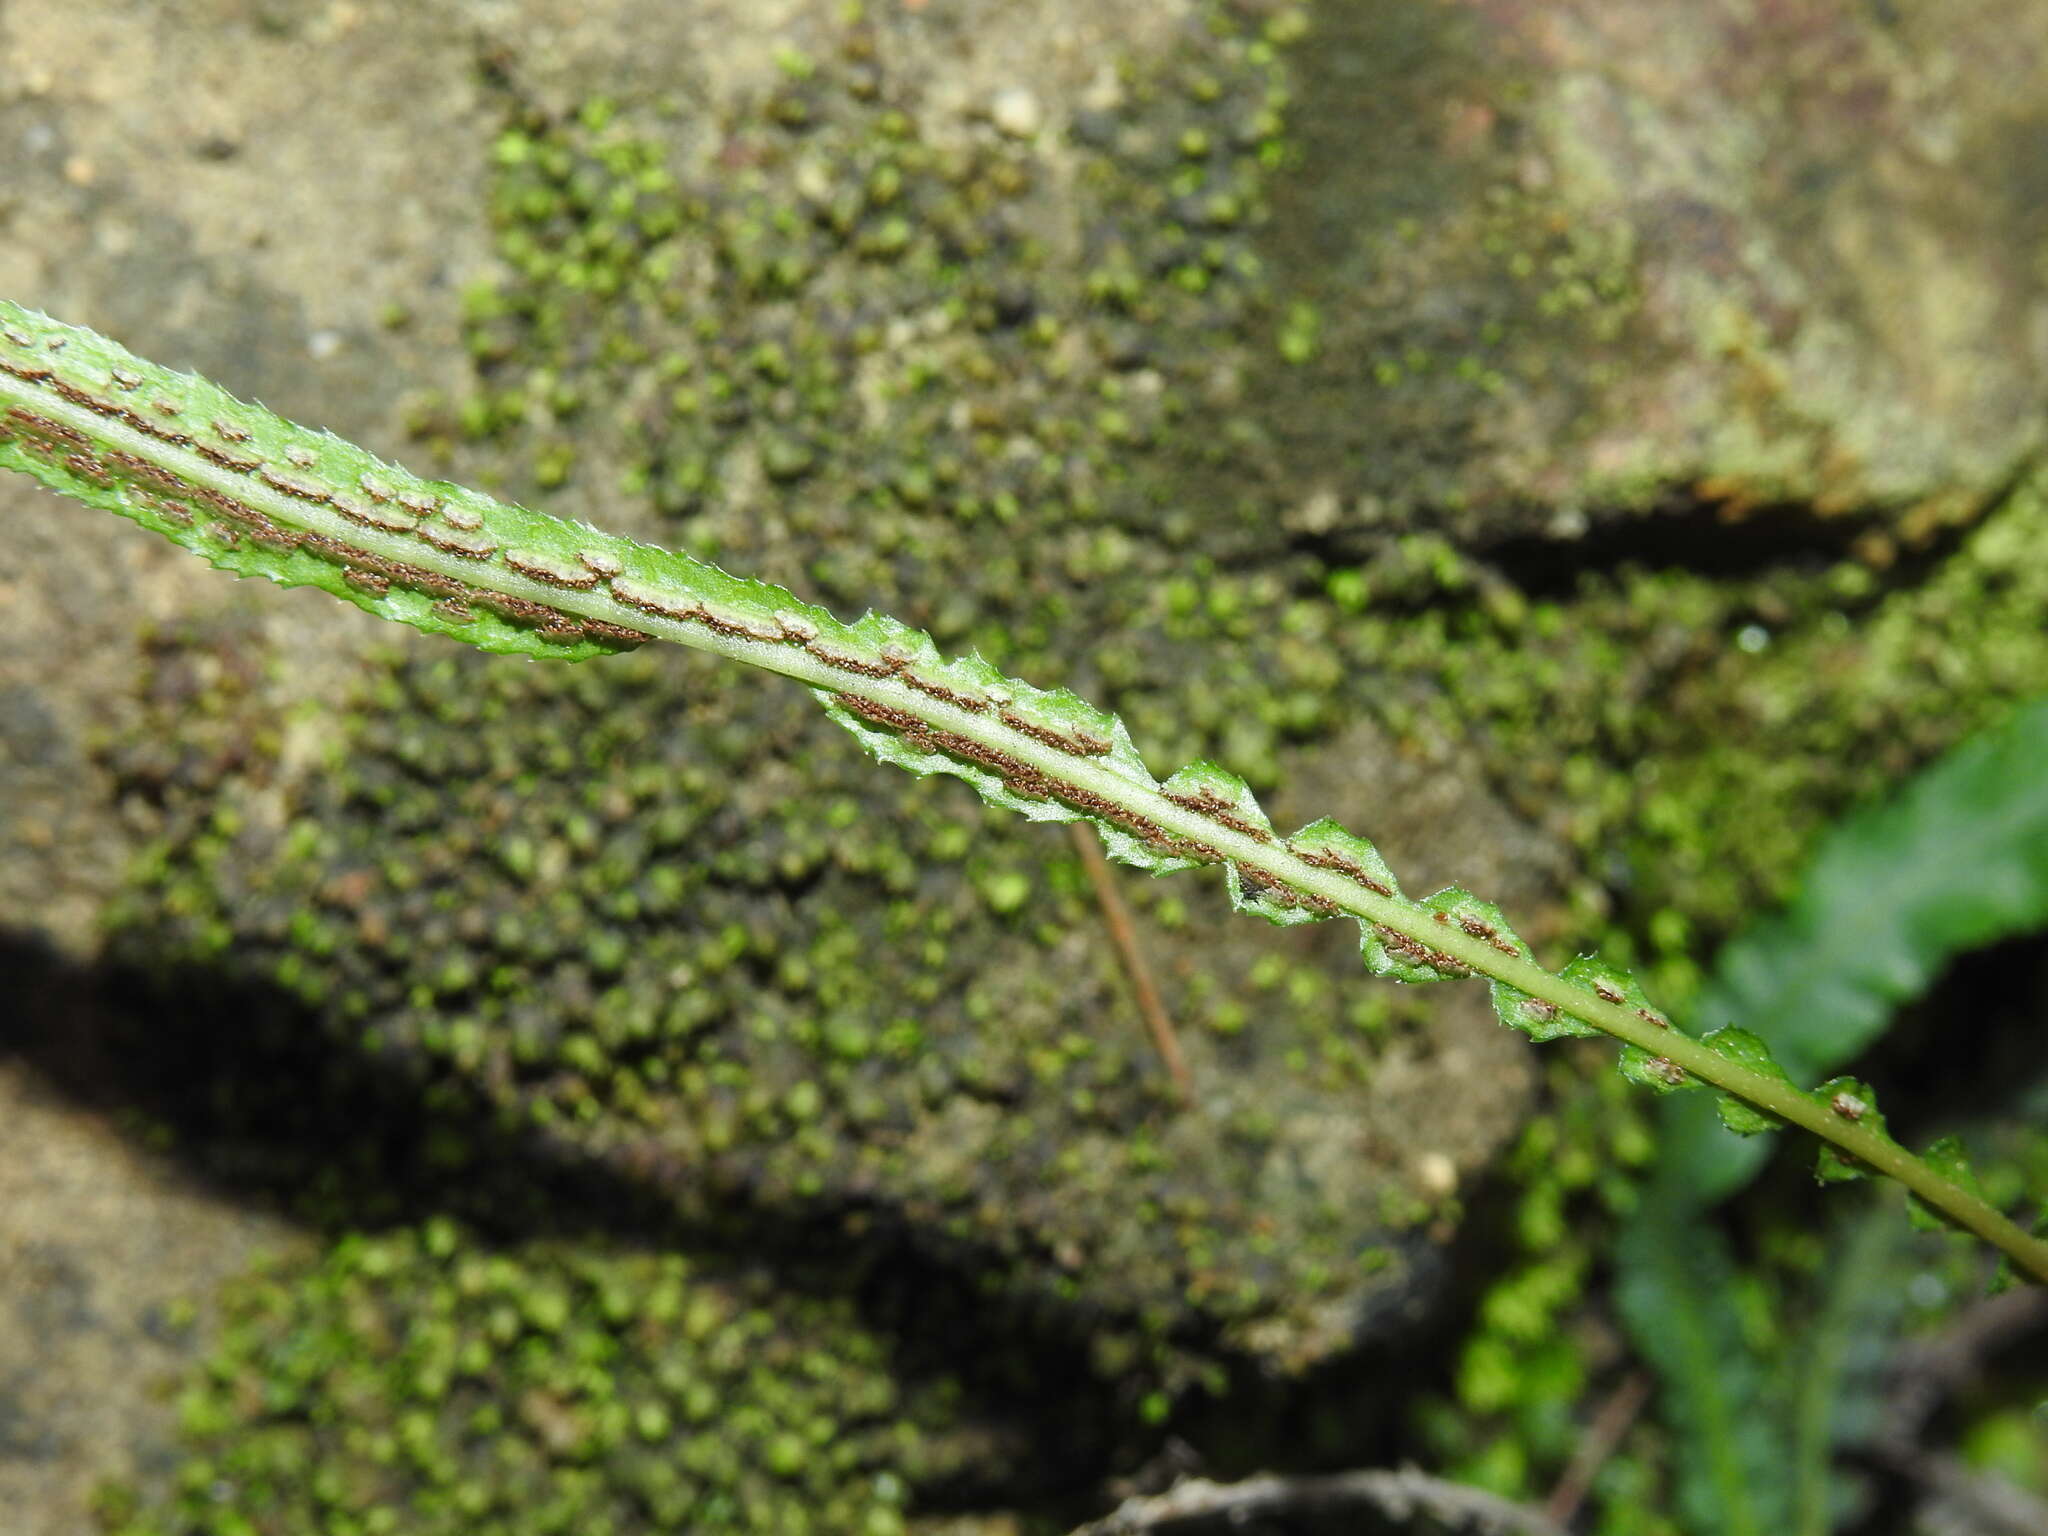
(1117, 918)
(1364, 1502)
(1598, 1443)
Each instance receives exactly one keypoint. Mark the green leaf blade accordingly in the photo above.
(1747, 1049)
(1955, 860)
(1948, 1158)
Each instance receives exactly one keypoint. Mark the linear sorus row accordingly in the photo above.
(280, 479)
(259, 495)
(251, 490)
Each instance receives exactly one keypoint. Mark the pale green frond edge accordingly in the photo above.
(257, 495)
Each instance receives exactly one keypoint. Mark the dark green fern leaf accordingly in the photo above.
(1834, 1381)
(1957, 860)
(1676, 1280)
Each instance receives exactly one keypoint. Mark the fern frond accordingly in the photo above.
(259, 496)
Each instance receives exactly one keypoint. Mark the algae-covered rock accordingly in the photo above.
(863, 331)
(865, 336)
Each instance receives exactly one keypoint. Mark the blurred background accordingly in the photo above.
(1591, 448)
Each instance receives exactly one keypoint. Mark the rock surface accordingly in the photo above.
(1080, 336)
(1584, 259)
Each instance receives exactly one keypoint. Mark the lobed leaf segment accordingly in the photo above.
(259, 496)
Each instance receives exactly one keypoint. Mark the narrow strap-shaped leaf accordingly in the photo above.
(1834, 1378)
(1676, 1277)
(259, 496)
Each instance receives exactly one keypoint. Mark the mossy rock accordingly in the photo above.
(1289, 467)
(971, 374)
(749, 332)
(671, 923)
(423, 1380)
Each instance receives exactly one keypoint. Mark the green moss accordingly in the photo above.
(425, 1381)
(684, 969)
(1692, 736)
